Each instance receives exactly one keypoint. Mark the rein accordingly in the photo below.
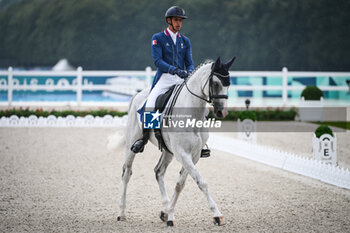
(211, 96)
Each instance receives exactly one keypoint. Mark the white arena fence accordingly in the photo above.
(287, 161)
(69, 121)
(12, 84)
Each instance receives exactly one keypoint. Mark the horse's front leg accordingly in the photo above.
(178, 188)
(127, 172)
(160, 170)
(203, 186)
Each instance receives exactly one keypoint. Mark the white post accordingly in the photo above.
(9, 86)
(284, 85)
(148, 76)
(79, 83)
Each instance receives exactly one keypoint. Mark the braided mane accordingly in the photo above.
(200, 66)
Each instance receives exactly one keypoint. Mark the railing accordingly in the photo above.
(12, 84)
(77, 85)
(285, 74)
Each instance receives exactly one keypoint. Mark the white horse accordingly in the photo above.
(208, 83)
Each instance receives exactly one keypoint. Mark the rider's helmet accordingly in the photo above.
(175, 11)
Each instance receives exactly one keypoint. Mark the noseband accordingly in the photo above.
(211, 95)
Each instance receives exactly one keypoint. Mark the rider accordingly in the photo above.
(172, 54)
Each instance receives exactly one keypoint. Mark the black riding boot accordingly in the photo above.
(205, 153)
(139, 145)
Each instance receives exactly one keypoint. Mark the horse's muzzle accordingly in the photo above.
(221, 113)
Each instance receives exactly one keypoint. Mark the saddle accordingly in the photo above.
(163, 99)
(161, 103)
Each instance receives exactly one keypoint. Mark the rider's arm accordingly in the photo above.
(188, 57)
(157, 56)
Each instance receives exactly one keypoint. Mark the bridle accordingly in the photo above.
(210, 81)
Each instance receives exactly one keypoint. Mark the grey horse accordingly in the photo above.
(209, 83)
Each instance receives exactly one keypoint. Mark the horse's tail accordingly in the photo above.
(116, 140)
(131, 100)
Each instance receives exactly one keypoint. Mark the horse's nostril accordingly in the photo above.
(219, 114)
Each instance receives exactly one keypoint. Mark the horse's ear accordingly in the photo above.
(229, 63)
(217, 63)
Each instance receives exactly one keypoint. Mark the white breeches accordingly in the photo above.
(164, 83)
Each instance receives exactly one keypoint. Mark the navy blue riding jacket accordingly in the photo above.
(168, 56)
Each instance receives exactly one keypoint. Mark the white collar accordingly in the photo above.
(173, 35)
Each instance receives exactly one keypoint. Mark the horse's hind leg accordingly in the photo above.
(160, 170)
(127, 172)
(178, 188)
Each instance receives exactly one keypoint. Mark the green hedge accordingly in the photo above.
(39, 112)
(247, 115)
(261, 115)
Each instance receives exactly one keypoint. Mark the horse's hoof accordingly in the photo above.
(219, 221)
(163, 216)
(170, 223)
(121, 218)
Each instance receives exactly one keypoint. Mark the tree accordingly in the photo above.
(110, 34)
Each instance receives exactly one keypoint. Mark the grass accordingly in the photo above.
(339, 124)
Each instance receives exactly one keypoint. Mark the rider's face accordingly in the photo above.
(176, 22)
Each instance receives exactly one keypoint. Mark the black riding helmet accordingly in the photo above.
(175, 11)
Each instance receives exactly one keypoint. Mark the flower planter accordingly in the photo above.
(311, 110)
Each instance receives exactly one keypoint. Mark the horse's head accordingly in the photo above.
(219, 83)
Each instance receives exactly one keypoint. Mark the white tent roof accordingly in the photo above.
(62, 65)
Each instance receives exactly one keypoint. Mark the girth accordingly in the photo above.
(173, 92)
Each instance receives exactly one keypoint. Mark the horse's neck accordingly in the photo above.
(196, 85)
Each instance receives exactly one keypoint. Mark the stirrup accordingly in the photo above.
(205, 153)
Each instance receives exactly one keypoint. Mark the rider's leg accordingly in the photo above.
(139, 145)
(164, 83)
(205, 152)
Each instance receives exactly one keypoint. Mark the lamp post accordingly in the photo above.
(247, 103)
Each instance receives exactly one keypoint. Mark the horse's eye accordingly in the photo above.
(216, 84)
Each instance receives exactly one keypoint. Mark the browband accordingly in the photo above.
(225, 79)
